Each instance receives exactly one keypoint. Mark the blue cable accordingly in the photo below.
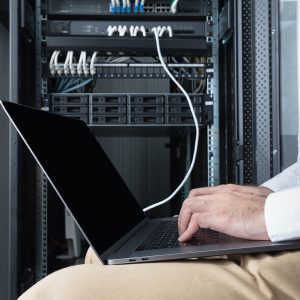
(61, 84)
(78, 86)
(69, 82)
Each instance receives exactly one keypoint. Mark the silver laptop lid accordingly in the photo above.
(81, 174)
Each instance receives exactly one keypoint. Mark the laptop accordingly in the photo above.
(100, 202)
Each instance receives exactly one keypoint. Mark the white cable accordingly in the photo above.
(122, 30)
(136, 30)
(92, 67)
(170, 30)
(131, 30)
(111, 29)
(57, 68)
(51, 63)
(67, 63)
(85, 65)
(79, 65)
(154, 30)
(71, 65)
(143, 30)
(162, 30)
(173, 8)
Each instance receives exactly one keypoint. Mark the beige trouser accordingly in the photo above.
(256, 276)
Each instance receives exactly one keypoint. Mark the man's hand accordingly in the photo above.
(231, 209)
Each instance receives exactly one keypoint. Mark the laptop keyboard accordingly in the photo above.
(166, 235)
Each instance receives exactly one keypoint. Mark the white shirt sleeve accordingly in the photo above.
(282, 214)
(282, 207)
(288, 178)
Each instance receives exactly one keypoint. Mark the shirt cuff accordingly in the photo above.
(288, 178)
(282, 215)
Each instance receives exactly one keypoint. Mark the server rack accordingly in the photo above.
(233, 45)
(107, 52)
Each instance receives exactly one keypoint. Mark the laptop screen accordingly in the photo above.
(81, 172)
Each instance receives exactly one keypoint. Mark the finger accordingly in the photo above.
(198, 204)
(191, 230)
(184, 219)
(203, 191)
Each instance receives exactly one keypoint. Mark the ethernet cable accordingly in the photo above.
(142, 4)
(128, 6)
(71, 82)
(71, 65)
(118, 10)
(170, 30)
(85, 65)
(136, 6)
(155, 31)
(67, 63)
(162, 31)
(92, 65)
(51, 63)
(122, 30)
(131, 30)
(143, 30)
(124, 6)
(78, 86)
(80, 63)
(136, 30)
(111, 30)
(173, 8)
(56, 66)
(113, 6)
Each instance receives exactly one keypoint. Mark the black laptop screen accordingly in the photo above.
(81, 172)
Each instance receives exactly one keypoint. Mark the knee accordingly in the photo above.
(91, 257)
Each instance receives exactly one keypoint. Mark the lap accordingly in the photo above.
(260, 276)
